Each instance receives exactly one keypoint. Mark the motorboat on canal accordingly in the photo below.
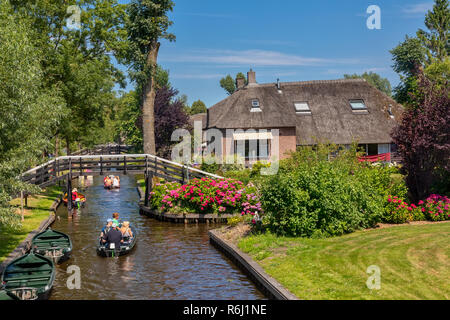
(76, 204)
(52, 244)
(29, 277)
(126, 247)
(113, 184)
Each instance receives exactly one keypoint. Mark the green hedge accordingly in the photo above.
(314, 195)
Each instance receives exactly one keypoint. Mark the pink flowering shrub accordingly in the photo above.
(206, 196)
(434, 208)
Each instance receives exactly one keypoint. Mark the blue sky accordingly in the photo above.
(293, 40)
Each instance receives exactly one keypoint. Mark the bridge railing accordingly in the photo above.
(88, 165)
(104, 149)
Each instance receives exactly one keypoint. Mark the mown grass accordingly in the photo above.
(35, 213)
(414, 263)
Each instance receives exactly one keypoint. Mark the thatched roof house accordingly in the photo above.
(336, 111)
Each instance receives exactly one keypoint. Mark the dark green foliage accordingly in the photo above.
(197, 107)
(312, 196)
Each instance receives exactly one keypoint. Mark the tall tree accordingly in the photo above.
(423, 138)
(147, 23)
(229, 84)
(77, 61)
(170, 115)
(416, 54)
(198, 107)
(28, 110)
(437, 38)
(374, 79)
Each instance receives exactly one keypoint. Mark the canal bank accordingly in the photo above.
(39, 215)
(170, 261)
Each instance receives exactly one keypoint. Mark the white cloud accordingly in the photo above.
(253, 58)
(418, 8)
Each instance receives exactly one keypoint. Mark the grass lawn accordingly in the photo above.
(414, 263)
(35, 213)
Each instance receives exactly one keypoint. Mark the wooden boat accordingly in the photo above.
(5, 296)
(82, 198)
(111, 186)
(29, 277)
(124, 249)
(52, 244)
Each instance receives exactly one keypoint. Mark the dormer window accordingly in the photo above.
(255, 106)
(358, 105)
(302, 108)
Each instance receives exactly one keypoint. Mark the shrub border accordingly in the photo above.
(268, 285)
(25, 245)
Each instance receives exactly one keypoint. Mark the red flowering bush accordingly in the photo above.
(434, 208)
(206, 196)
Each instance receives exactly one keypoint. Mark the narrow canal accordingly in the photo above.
(170, 261)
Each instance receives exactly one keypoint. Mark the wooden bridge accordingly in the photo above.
(67, 168)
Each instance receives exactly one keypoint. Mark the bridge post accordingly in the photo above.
(69, 193)
(69, 187)
(125, 164)
(148, 187)
(101, 165)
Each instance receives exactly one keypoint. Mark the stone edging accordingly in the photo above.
(268, 285)
(25, 245)
(185, 218)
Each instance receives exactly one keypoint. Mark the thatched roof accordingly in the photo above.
(198, 117)
(331, 119)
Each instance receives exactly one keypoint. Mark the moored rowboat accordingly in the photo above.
(52, 244)
(29, 277)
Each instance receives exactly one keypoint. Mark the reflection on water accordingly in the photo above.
(170, 261)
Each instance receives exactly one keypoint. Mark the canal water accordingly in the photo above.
(170, 261)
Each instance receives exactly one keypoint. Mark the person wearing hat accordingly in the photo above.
(114, 236)
(106, 229)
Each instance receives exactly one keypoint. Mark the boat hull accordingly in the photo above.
(29, 277)
(52, 244)
(125, 249)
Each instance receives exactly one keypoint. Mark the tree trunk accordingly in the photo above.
(56, 146)
(68, 146)
(148, 103)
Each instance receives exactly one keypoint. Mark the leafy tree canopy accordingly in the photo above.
(198, 107)
(28, 109)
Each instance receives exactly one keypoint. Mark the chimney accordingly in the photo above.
(240, 83)
(251, 76)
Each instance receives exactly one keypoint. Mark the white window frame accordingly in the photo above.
(302, 110)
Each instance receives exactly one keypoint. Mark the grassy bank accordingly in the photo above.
(36, 212)
(414, 263)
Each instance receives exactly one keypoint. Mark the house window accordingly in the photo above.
(254, 149)
(358, 105)
(302, 108)
(255, 106)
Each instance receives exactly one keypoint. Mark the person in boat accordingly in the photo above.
(116, 182)
(126, 231)
(75, 194)
(107, 182)
(115, 218)
(106, 229)
(114, 236)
